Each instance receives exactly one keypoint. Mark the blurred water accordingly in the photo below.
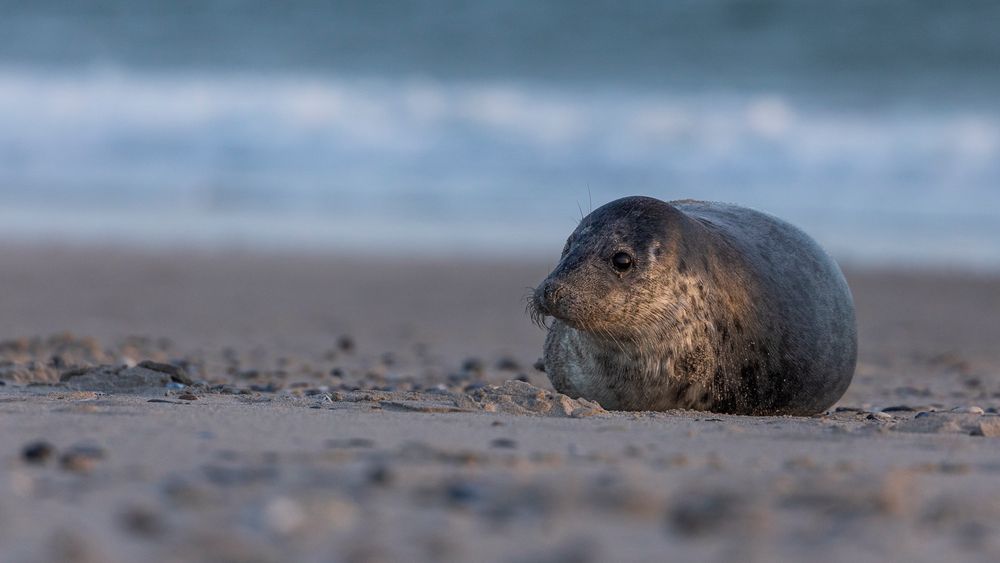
(471, 127)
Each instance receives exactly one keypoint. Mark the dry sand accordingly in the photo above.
(336, 408)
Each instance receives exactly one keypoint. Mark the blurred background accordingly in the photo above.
(472, 127)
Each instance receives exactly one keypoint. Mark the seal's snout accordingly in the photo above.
(550, 293)
(544, 301)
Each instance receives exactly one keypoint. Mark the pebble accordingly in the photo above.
(508, 363)
(473, 365)
(81, 458)
(462, 493)
(142, 521)
(968, 410)
(188, 397)
(988, 427)
(176, 373)
(695, 515)
(506, 443)
(879, 416)
(345, 344)
(350, 443)
(37, 452)
(381, 474)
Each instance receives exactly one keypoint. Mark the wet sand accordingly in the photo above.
(339, 408)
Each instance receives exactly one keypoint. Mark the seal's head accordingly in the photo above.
(605, 281)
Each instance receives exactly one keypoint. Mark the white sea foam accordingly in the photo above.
(455, 155)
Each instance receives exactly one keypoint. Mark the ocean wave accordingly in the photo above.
(303, 144)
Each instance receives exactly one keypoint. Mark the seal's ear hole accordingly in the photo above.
(622, 261)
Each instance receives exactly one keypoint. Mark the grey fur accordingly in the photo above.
(725, 309)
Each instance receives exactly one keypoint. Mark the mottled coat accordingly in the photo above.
(720, 308)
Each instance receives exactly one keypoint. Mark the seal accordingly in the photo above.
(696, 305)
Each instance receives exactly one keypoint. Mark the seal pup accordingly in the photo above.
(696, 305)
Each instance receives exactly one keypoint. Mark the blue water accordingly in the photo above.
(469, 127)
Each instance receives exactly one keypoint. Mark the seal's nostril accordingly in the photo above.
(553, 291)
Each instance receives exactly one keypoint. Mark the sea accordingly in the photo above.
(489, 128)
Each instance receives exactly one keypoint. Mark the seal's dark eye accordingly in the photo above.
(621, 261)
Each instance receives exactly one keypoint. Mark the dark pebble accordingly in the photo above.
(37, 452)
(508, 364)
(2, 383)
(345, 344)
(474, 386)
(350, 443)
(165, 401)
(702, 514)
(497, 423)
(176, 373)
(922, 414)
(337, 372)
(504, 443)
(898, 408)
(846, 409)
(472, 364)
(523, 377)
(381, 474)
(188, 397)
(461, 493)
(269, 388)
(142, 522)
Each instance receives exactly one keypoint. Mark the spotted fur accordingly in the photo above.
(725, 309)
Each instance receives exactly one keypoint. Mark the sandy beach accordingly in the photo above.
(232, 406)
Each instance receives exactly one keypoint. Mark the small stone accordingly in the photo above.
(176, 373)
(188, 397)
(381, 474)
(695, 515)
(81, 458)
(506, 443)
(879, 416)
(37, 452)
(461, 493)
(350, 443)
(508, 363)
(990, 428)
(345, 344)
(968, 410)
(472, 365)
(142, 521)
(898, 408)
